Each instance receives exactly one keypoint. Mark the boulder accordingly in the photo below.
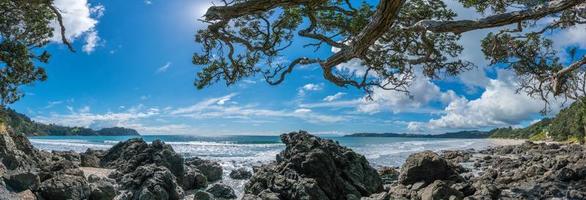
(220, 190)
(131, 154)
(67, 155)
(101, 188)
(194, 179)
(202, 195)
(211, 169)
(64, 187)
(315, 168)
(21, 180)
(91, 158)
(149, 182)
(388, 174)
(240, 173)
(426, 166)
(16, 152)
(60, 167)
(439, 190)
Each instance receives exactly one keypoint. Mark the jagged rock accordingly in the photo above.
(315, 168)
(67, 155)
(194, 179)
(21, 180)
(439, 190)
(101, 188)
(211, 169)
(60, 167)
(378, 196)
(388, 175)
(26, 195)
(240, 173)
(201, 195)
(91, 158)
(221, 191)
(426, 166)
(64, 187)
(149, 182)
(16, 152)
(129, 155)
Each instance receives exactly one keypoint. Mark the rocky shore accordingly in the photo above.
(308, 168)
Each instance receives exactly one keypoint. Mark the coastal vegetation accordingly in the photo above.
(23, 124)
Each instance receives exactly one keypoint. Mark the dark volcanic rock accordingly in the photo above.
(16, 152)
(221, 191)
(211, 169)
(201, 195)
(67, 155)
(150, 182)
(240, 173)
(426, 166)
(129, 155)
(439, 190)
(315, 168)
(91, 158)
(194, 179)
(388, 175)
(101, 188)
(21, 180)
(64, 187)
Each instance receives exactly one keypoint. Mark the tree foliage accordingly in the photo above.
(394, 40)
(24, 31)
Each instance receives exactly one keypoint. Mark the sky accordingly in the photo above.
(133, 69)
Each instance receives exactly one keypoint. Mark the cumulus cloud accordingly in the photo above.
(499, 105)
(80, 20)
(421, 92)
(309, 87)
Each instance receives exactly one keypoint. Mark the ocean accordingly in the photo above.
(247, 151)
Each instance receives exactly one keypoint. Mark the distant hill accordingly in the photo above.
(23, 124)
(460, 134)
(568, 125)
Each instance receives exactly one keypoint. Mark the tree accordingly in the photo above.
(393, 39)
(24, 30)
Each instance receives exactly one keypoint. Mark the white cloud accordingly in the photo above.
(80, 19)
(499, 105)
(148, 2)
(84, 118)
(421, 92)
(164, 68)
(334, 97)
(309, 87)
(218, 108)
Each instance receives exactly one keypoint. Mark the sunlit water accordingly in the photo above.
(246, 151)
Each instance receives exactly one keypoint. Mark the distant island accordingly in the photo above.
(459, 134)
(23, 124)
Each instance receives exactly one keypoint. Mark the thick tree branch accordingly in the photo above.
(497, 20)
(248, 7)
(60, 22)
(558, 76)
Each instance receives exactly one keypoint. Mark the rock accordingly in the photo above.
(388, 175)
(315, 168)
(457, 156)
(426, 166)
(91, 158)
(16, 152)
(101, 188)
(440, 190)
(379, 196)
(201, 195)
(67, 155)
(221, 191)
(131, 154)
(26, 195)
(211, 169)
(60, 167)
(240, 173)
(149, 182)
(22, 180)
(64, 187)
(566, 174)
(194, 179)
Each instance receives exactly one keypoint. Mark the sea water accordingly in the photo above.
(247, 151)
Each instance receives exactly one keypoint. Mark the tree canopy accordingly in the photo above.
(393, 40)
(24, 30)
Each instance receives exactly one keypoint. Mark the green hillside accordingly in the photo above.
(23, 124)
(568, 125)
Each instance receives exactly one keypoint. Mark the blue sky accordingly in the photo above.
(133, 68)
